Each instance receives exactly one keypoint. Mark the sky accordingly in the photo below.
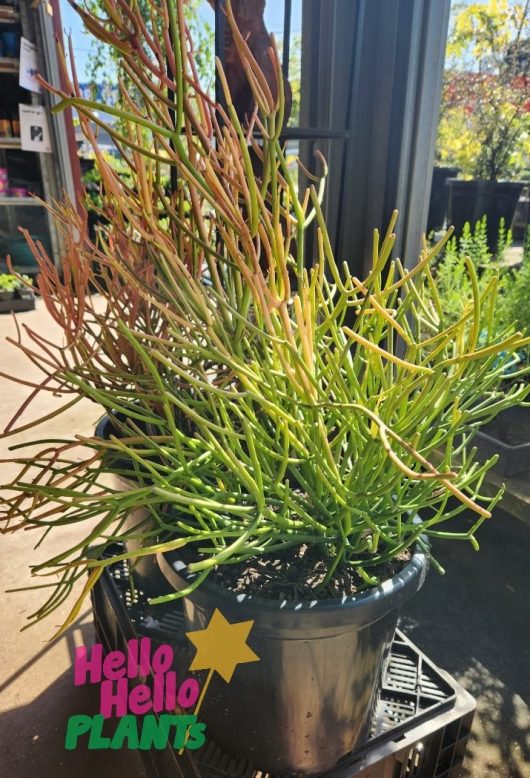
(71, 23)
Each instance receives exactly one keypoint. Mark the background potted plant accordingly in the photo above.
(16, 292)
(439, 198)
(277, 423)
(508, 435)
(485, 115)
(24, 287)
(8, 283)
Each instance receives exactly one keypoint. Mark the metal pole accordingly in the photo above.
(220, 46)
(286, 38)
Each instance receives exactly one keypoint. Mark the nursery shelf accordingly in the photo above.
(9, 65)
(9, 15)
(420, 728)
(18, 304)
(10, 143)
(23, 201)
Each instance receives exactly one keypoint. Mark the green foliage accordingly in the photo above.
(456, 291)
(10, 283)
(526, 247)
(295, 74)
(453, 281)
(457, 144)
(484, 124)
(483, 34)
(106, 63)
(504, 239)
(203, 36)
(93, 183)
(516, 307)
(515, 302)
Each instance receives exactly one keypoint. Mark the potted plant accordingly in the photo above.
(485, 116)
(7, 286)
(439, 198)
(16, 292)
(278, 424)
(24, 287)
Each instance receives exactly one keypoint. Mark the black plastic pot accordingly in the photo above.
(439, 197)
(508, 435)
(24, 293)
(469, 201)
(309, 700)
(145, 571)
(521, 217)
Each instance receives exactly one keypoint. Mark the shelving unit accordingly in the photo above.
(9, 64)
(20, 169)
(20, 202)
(9, 143)
(9, 15)
(44, 174)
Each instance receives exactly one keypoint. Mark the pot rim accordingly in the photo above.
(367, 606)
(483, 183)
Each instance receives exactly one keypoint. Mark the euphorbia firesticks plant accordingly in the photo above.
(260, 402)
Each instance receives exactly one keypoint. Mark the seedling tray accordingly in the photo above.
(420, 728)
(18, 304)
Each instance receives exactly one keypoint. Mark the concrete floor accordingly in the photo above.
(474, 622)
(37, 694)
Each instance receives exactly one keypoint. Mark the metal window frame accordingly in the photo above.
(370, 95)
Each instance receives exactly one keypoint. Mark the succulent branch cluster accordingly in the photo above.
(259, 401)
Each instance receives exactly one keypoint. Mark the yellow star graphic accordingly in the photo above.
(222, 646)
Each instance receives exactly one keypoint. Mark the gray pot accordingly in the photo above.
(310, 699)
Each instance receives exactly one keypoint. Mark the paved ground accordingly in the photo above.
(37, 694)
(474, 622)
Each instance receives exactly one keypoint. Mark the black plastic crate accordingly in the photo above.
(420, 728)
